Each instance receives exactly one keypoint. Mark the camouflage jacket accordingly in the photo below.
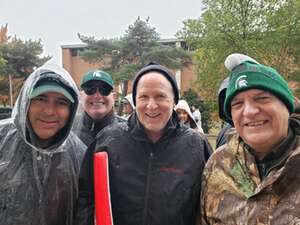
(234, 193)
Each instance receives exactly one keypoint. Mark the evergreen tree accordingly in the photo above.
(124, 56)
(18, 58)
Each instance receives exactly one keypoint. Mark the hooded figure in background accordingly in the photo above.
(39, 156)
(185, 115)
(128, 106)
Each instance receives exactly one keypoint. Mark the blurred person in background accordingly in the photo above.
(185, 115)
(128, 106)
(197, 115)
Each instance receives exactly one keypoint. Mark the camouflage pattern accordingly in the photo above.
(233, 192)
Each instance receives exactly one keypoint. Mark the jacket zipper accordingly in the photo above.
(145, 215)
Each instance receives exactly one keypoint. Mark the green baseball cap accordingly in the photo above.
(97, 75)
(50, 86)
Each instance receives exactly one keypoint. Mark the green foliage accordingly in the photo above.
(123, 73)
(139, 38)
(18, 58)
(191, 32)
(21, 56)
(98, 50)
(2, 63)
(268, 30)
(123, 57)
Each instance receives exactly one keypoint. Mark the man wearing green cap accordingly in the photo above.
(254, 179)
(39, 155)
(97, 100)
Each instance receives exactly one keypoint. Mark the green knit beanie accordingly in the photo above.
(249, 75)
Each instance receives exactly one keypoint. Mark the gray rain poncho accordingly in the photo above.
(38, 186)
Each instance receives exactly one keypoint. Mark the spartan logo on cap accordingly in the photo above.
(96, 74)
(241, 82)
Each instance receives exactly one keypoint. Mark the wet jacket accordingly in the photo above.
(151, 183)
(236, 190)
(38, 186)
(87, 128)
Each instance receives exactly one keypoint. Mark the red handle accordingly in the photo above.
(102, 190)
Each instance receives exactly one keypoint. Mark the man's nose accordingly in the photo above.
(97, 93)
(250, 109)
(50, 108)
(152, 103)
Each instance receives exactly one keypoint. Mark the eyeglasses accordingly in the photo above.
(104, 90)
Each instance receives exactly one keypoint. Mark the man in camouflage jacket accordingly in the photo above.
(255, 178)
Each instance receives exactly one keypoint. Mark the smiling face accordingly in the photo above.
(260, 118)
(48, 113)
(154, 103)
(97, 105)
(127, 109)
(183, 115)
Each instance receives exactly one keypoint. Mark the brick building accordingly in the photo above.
(76, 66)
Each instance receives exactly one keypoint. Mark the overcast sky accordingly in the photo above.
(57, 22)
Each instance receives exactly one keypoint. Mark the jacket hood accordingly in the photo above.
(295, 122)
(20, 110)
(221, 97)
(129, 99)
(182, 104)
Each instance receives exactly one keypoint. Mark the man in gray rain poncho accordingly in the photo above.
(39, 157)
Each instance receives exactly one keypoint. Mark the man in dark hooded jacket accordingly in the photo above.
(155, 163)
(39, 156)
(97, 101)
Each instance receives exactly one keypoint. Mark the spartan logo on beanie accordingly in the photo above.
(241, 82)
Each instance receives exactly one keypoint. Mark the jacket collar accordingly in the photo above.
(97, 125)
(281, 152)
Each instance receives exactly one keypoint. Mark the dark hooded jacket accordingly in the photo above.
(87, 128)
(38, 185)
(151, 183)
(222, 137)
